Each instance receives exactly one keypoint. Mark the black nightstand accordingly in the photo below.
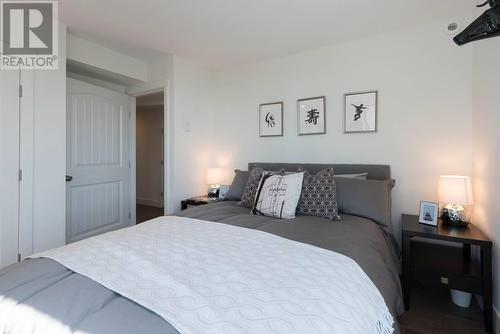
(195, 201)
(435, 264)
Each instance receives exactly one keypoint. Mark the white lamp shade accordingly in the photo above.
(455, 190)
(218, 176)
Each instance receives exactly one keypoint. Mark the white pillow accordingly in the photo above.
(278, 195)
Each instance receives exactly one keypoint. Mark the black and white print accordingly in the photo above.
(271, 119)
(360, 112)
(311, 116)
(278, 195)
(429, 213)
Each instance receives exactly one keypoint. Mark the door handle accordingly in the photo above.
(69, 178)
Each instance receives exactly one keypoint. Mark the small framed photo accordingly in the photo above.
(223, 191)
(429, 212)
(360, 114)
(311, 116)
(271, 119)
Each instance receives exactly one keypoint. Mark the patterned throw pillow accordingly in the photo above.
(277, 195)
(319, 195)
(248, 195)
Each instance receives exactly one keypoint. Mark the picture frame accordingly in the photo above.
(271, 119)
(311, 116)
(223, 191)
(428, 213)
(361, 112)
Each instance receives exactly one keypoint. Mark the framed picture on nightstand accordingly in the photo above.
(429, 212)
(223, 191)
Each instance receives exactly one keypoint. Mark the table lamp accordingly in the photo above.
(214, 179)
(456, 193)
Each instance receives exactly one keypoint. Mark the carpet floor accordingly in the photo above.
(432, 312)
(145, 212)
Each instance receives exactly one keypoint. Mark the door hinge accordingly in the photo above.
(19, 257)
(161, 194)
(129, 215)
(129, 114)
(162, 162)
(20, 91)
(20, 175)
(129, 164)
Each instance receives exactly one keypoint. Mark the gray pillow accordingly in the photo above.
(366, 198)
(248, 195)
(237, 186)
(319, 195)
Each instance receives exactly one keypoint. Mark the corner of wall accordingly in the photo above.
(486, 150)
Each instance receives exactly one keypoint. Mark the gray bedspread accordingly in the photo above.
(83, 305)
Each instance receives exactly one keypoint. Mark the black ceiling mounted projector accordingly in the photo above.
(485, 26)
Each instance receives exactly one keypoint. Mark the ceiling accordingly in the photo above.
(222, 33)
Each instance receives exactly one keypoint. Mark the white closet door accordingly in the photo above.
(9, 165)
(98, 156)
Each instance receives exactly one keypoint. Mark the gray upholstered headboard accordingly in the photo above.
(375, 172)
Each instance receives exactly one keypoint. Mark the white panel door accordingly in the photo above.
(98, 160)
(9, 166)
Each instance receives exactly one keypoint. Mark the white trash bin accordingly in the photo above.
(461, 298)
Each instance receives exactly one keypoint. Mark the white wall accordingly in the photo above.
(486, 120)
(89, 53)
(149, 153)
(192, 130)
(49, 170)
(424, 112)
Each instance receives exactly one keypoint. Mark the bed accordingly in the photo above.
(42, 292)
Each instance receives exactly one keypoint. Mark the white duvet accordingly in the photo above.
(214, 278)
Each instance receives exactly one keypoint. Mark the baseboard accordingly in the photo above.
(149, 202)
(496, 320)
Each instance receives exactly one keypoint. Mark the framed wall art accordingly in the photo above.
(311, 119)
(360, 114)
(271, 119)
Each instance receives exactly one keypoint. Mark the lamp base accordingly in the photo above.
(454, 215)
(213, 191)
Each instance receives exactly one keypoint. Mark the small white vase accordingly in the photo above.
(461, 298)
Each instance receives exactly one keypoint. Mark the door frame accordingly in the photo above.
(26, 163)
(140, 90)
(25, 125)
